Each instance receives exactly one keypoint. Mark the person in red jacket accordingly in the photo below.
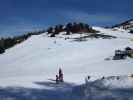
(61, 75)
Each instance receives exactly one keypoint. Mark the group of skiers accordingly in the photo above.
(59, 77)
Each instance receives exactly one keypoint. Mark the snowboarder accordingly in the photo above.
(60, 75)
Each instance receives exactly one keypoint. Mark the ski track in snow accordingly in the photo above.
(27, 68)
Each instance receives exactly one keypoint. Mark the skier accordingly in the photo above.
(87, 79)
(57, 79)
(60, 75)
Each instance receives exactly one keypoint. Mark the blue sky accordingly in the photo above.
(20, 16)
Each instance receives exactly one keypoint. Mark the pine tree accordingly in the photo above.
(2, 50)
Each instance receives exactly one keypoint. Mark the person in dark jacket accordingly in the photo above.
(57, 79)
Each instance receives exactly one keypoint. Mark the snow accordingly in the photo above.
(115, 82)
(35, 62)
(125, 27)
(123, 82)
(120, 33)
(112, 88)
(131, 22)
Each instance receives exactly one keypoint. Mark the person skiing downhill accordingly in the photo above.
(57, 79)
(61, 75)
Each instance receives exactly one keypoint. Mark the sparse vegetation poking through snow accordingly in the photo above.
(71, 28)
(9, 42)
(127, 25)
(53, 31)
(84, 38)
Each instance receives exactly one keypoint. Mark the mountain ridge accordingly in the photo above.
(126, 25)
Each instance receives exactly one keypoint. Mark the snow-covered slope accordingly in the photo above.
(39, 58)
(120, 34)
(109, 88)
(127, 25)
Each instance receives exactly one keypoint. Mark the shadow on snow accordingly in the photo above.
(65, 91)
